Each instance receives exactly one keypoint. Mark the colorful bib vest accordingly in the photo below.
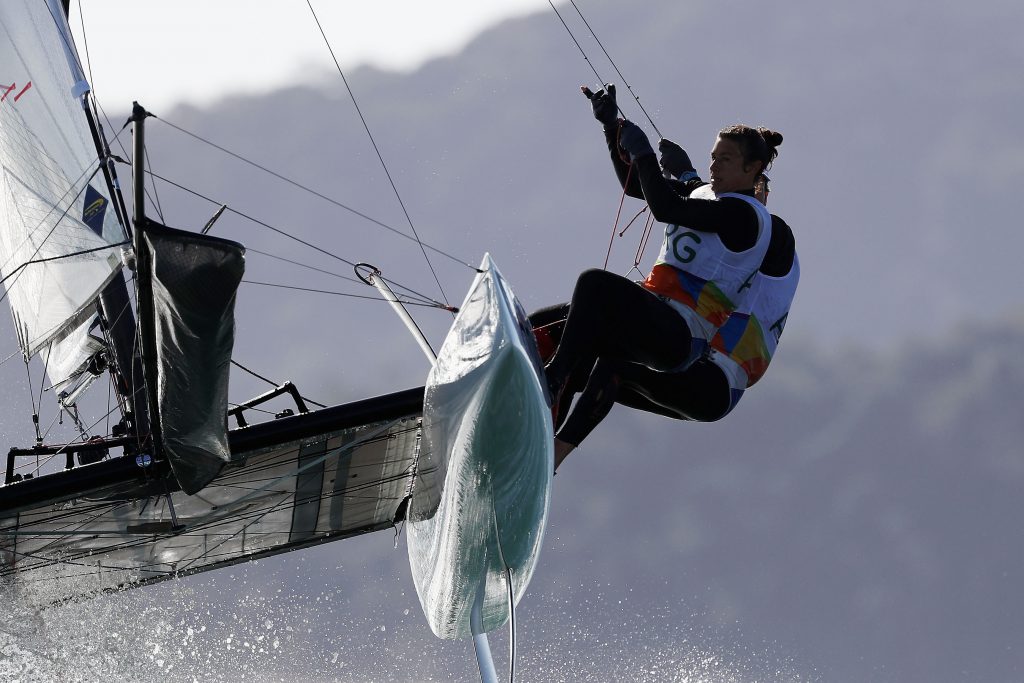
(749, 338)
(702, 279)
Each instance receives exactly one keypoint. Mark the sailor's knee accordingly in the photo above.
(595, 280)
(590, 275)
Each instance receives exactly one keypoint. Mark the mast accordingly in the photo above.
(140, 397)
(186, 284)
(113, 302)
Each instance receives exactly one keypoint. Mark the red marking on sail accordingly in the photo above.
(23, 90)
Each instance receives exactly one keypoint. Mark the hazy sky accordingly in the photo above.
(198, 50)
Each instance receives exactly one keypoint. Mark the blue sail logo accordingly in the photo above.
(94, 210)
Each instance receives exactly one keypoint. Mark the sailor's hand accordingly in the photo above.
(603, 103)
(674, 159)
(634, 141)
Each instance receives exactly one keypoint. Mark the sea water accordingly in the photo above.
(306, 618)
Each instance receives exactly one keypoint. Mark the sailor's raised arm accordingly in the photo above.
(606, 111)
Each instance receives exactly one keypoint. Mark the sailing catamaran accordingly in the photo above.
(170, 490)
(186, 494)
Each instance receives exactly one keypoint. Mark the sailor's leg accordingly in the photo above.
(562, 451)
(615, 318)
(593, 405)
(700, 393)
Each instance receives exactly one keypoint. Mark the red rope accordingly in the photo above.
(644, 237)
(633, 220)
(643, 241)
(618, 213)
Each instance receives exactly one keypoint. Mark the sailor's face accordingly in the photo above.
(728, 173)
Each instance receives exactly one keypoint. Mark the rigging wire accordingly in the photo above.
(271, 383)
(423, 245)
(55, 258)
(315, 193)
(426, 300)
(300, 264)
(614, 66)
(85, 43)
(314, 290)
(377, 150)
(11, 355)
(42, 380)
(56, 223)
(79, 440)
(254, 373)
(633, 219)
(290, 236)
(646, 234)
(46, 434)
(255, 409)
(608, 56)
(580, 47)
(90, 97)
(156, 195)
(126, 403)
(618, 213)
(642, 246)
(110, 391)
(35, 412)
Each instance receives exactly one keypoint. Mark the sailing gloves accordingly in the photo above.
(675, 161)
(634, 141)
(603, 103)
(631, 139)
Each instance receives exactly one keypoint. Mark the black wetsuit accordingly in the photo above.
(778, 260)
(639, 339)
(700, 393)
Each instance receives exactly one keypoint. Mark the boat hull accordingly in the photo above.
(298, 481)
(481, 497)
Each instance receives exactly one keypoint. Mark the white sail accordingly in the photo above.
(58, 230)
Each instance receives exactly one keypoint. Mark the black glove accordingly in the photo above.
(674, 159)
(634, 141)
(603, 103)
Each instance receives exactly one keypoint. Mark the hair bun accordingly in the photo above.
(773, 138)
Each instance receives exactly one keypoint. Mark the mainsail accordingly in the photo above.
(59, 234)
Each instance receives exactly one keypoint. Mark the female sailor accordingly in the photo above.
(711, 250)
(711, 387)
